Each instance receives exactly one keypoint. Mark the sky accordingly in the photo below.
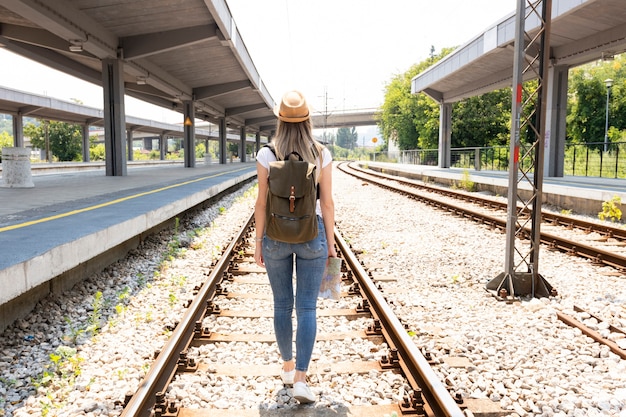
(339, 53)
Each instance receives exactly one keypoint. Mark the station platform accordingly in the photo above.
(49, 233)
(581, 195)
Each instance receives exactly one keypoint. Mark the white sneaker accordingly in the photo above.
(302, 393)
(287, 376)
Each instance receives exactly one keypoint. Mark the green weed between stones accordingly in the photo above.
(611, 209)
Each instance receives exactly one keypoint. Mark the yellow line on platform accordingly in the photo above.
(108, 203)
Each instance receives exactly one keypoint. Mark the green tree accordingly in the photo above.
(482, 120)
(410, 120)
(347, 137)
(6, 140)
(586, 112)
(65, 139)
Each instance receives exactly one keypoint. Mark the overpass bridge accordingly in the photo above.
(350, 118)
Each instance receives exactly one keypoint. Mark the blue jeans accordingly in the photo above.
(310, 261)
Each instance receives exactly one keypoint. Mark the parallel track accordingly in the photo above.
(495, 218)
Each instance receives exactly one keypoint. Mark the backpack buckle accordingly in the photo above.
(292, 199)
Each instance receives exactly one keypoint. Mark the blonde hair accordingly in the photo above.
(298, 137)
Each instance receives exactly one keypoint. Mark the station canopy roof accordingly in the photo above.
(173, 51)
(581, 31)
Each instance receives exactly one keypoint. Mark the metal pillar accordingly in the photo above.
(258, 142)
(114, 117)
(521, 276)
(189, 142)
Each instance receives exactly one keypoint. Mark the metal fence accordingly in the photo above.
(588, 159)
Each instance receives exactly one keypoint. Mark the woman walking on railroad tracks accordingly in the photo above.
(294, 134)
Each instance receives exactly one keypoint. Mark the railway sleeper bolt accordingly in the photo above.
(172, 410)
(212, 308)
(374, 329)
(390, 361)
(458, 398)
(219, 290)
(413, 406)
(186, 364)
(354, 289)
(597, 260)
(363, 307)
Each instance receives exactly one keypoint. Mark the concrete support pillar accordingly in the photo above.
(556, 112)
(16, 168)
(162, 146)
(189, 142)
(223, 143)
(258, 142)
(147, 144)
(445, 134)
(242, 145)
(129, 144)
(114, 116)
(18, 130)
(85, 131)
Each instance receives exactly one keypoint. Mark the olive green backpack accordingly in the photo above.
(291, 200)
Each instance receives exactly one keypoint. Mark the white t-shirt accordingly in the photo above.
(265, 156)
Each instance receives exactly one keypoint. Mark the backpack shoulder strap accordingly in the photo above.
(271, 148)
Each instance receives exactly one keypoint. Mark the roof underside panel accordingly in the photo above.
(200, 48)
(581, 31)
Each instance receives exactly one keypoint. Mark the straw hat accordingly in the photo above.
(292, 108)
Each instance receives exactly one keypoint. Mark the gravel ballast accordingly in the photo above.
(79, 353)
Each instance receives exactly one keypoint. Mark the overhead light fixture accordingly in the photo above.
(141, 80)
(76, 45)
(608, 56)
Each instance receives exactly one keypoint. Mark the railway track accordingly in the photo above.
(386, 363)
(601, 243)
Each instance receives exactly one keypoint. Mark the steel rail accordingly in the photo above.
(152, 387)
(599, 256)
(415, 366)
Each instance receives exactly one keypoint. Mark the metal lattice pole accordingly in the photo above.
(521, 276)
